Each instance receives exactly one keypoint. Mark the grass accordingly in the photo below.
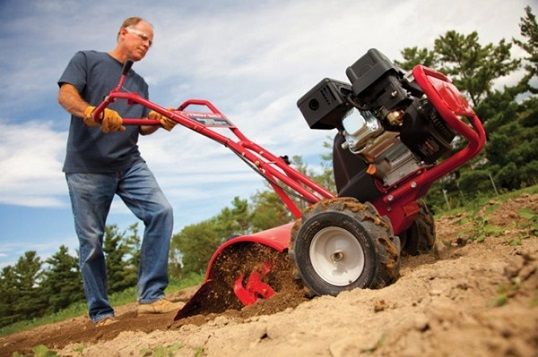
(161, 351)
(79, 309)
(478, 211)
(484, 200)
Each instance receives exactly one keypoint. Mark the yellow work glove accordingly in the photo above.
(166, 122)
(88, 118)
(111, 120)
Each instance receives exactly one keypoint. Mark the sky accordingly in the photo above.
(252, 59)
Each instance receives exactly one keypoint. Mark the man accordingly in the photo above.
(103, 160)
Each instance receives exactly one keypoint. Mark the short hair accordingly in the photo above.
(131, 21)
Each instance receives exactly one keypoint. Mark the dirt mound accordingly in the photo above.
(477, 295)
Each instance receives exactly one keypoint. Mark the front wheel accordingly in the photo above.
(342, 244)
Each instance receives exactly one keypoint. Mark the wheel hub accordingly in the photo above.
(336, 256)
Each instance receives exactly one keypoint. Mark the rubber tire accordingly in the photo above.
(420, 237)
(374, 234)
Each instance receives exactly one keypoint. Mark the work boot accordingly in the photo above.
(161, 306)
(106, 321)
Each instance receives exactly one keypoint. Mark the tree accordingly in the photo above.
(196, 243)
(9, 297)
(30, 301)
(414, 55)
(132, 249)
(115, 253)
(268, 211)
(235, 220)
(472, 67)
(62, 284)
(529, 30)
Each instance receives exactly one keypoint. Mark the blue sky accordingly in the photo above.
(252, 59)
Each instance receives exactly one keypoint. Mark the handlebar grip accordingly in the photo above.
(126, 67)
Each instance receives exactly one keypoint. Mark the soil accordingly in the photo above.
(476, 294)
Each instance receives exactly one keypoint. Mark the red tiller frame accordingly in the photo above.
(272, 167)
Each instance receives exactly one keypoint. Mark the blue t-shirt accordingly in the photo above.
(95, 74)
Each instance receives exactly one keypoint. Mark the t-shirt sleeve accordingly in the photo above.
(76, 72)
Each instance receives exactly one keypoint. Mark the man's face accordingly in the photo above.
(136, 40)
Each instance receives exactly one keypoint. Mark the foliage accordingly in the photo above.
(196, 242)
(268, 211)
(115, 252)
(472, 67)
(529, 30)
(32, 288)
(62, 282)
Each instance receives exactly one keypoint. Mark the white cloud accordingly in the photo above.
(30, 164)
(11, 251)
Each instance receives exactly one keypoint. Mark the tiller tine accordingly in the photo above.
(215, 297)
(255, 287)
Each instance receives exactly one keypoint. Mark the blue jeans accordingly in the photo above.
(91, 196)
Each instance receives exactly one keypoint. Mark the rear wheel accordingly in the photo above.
(342, 244)
(420, 237)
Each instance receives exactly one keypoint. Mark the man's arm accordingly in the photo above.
(70, 99)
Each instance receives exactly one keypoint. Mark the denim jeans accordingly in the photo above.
(91, 196)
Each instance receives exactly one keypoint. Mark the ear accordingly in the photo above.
(122, 32)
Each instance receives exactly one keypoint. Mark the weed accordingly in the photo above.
(43, 351)
(530, 215)
(479, 227)
(499, 300)
(515, 242)
(161, 351)
(505, 291)
(39, 351)
(199, 352)
(79, 348)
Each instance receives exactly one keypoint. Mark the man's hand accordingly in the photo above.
(166, 122)
(88, 117)
(111, 120)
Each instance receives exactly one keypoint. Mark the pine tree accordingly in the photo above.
(115, 253)
(62, 283)
(529, 30)
(10, 295)
(31, 301)
(132, 246)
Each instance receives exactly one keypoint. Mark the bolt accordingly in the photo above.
(390, 198)
(413, 184)
(337, 256)
(394, 94)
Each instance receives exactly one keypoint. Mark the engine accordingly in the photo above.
(387, 128)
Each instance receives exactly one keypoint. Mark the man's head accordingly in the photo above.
(135, 38)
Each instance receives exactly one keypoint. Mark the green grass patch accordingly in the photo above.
(79, 309)
(504, 292)
(482, 200)
(162, 351)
